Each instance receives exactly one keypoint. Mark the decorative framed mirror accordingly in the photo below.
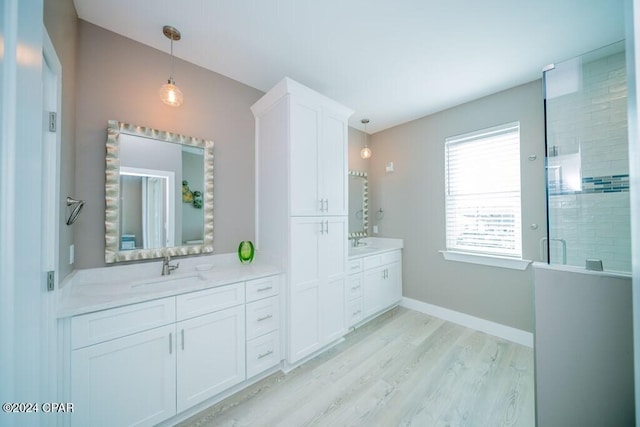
(358, 204)
(159, 194)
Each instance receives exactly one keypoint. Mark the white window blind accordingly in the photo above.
(483, 192)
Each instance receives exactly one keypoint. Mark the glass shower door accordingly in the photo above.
(588, 161)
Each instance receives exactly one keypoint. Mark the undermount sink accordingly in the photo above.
(165, 279)
(362, 249)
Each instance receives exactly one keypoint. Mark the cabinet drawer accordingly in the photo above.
(355, 311)
(209, 300)
(354, 286)
(262, 316)
(354, 266)
(263, 353)
(263, 288)
(106, 325)
(389, 257)
(381, 259)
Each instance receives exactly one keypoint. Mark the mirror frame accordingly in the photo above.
(365, 204)
(112, 253)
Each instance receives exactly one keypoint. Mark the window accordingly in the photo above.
(483, 192)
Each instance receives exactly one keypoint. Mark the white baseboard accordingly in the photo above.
(517, 336)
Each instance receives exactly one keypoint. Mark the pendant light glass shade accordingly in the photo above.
(365, 153)
(171, 94)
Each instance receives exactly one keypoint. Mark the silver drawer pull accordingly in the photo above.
(353, 288)
(356, 313)
(263, 355)
(266, 288)
(268, 316)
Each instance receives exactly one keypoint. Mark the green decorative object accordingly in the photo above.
(246, 251)
(192, 197)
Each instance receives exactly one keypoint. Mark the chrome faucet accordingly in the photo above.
(167, 268)
(357, 242)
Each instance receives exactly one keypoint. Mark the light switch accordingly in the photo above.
(375, 229)
(72, 254)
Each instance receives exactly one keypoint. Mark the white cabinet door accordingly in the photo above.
(382, 287)
(393, 284)
(305, 140)
(130, 381)
(318, 160)
(211, 355)
(305, 278)
(333, 310)
(317, 299)
(333, 258)
(374, 290)
(333, 164)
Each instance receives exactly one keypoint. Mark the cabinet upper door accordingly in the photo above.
(303, 162)
(333, 164)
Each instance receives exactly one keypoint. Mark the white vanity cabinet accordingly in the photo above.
(301, 208)
(141, 364)
(374, 284)
(123, 365)
(382, 281)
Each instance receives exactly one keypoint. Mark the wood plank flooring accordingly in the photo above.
(402, 369)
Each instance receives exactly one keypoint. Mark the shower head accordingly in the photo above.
(77, 207)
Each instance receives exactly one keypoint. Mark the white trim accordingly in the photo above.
(508, 333)
(492, 260)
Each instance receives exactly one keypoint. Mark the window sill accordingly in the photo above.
(494, 261)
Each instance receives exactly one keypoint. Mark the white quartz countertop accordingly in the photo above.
(85, 291)
(374, 245)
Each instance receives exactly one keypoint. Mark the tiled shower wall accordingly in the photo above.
(589, 167)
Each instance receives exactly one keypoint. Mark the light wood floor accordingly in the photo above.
(403, 368)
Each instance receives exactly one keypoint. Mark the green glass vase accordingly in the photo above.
(246, 251)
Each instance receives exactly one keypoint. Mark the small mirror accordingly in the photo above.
(159, 194)
(358, 204)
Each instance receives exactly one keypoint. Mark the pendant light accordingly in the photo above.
(169, 93)
(365, 153)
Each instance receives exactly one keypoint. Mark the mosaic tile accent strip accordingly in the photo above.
(594, 184)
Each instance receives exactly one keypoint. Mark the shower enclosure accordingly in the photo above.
(583, 333)
(588, 162)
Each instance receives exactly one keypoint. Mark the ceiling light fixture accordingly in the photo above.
(365, 153)
(170, 94)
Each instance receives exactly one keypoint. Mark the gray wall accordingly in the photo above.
(60, 20)
(118, 78)
(413, 200)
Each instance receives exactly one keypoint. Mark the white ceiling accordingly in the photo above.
(390, 61)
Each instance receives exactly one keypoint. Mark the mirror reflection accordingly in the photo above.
(358, 204)
(159, 194)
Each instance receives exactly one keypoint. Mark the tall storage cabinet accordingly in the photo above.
(301, 208)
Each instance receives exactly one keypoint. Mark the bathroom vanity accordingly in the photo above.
(374, 281)
(154, 346)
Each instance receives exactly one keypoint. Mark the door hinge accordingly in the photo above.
(51, 277)
(53, 116)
